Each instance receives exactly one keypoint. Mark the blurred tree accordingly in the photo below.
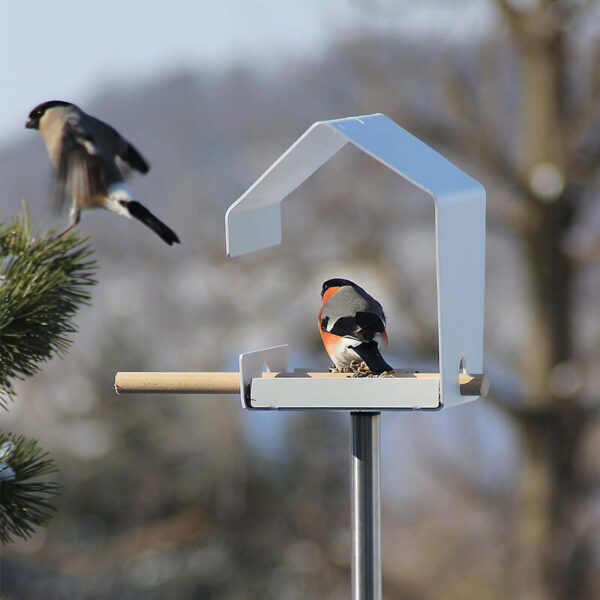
(534, 133)
(43, 280)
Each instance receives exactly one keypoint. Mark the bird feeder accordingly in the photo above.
(253, 222)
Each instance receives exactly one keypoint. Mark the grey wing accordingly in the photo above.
(129, 155)
(81, 172)
(347, 301)
(353, 314)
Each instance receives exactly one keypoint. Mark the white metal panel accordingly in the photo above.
(276, 358)
(254, 222)
(460, 241)
(251, 230)
(244, 230)
(401, 151)
(357, 394)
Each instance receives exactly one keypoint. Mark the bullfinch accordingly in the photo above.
(352, 326)
(84, 151)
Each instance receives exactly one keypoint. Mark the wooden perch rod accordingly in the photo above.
(229, 383)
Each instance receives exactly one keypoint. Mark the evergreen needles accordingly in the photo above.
(43, 280)
(23, 503)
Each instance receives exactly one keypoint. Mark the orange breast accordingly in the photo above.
(330, 342)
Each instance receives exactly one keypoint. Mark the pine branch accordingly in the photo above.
(24, 503)
(44, 279)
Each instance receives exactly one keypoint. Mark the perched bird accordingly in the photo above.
(352, 326)
(84, 151)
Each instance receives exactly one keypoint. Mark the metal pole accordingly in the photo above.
(366, 506)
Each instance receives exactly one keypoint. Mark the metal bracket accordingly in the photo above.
(276, 359)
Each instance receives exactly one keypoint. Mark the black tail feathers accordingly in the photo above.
(369, 352)
(141, 213)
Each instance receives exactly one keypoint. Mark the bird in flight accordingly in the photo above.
(84, 151)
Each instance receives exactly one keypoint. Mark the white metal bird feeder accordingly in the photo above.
(253, 222)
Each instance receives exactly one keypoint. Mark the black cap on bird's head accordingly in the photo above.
(337, 282)
(33, 122)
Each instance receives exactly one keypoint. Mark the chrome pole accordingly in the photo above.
(366, 506)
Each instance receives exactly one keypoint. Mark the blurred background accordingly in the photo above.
(190, 497)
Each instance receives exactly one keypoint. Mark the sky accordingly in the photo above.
(71, 50)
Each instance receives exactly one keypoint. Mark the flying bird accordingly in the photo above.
(352, 326)
(84, 151)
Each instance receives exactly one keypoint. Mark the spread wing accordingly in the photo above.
(131, 157)
(80, 169)
(127, 152)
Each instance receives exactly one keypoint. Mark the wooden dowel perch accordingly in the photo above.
(229, 383)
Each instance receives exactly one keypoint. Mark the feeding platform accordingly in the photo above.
(295, 390)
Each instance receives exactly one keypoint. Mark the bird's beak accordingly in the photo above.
(30, 124)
